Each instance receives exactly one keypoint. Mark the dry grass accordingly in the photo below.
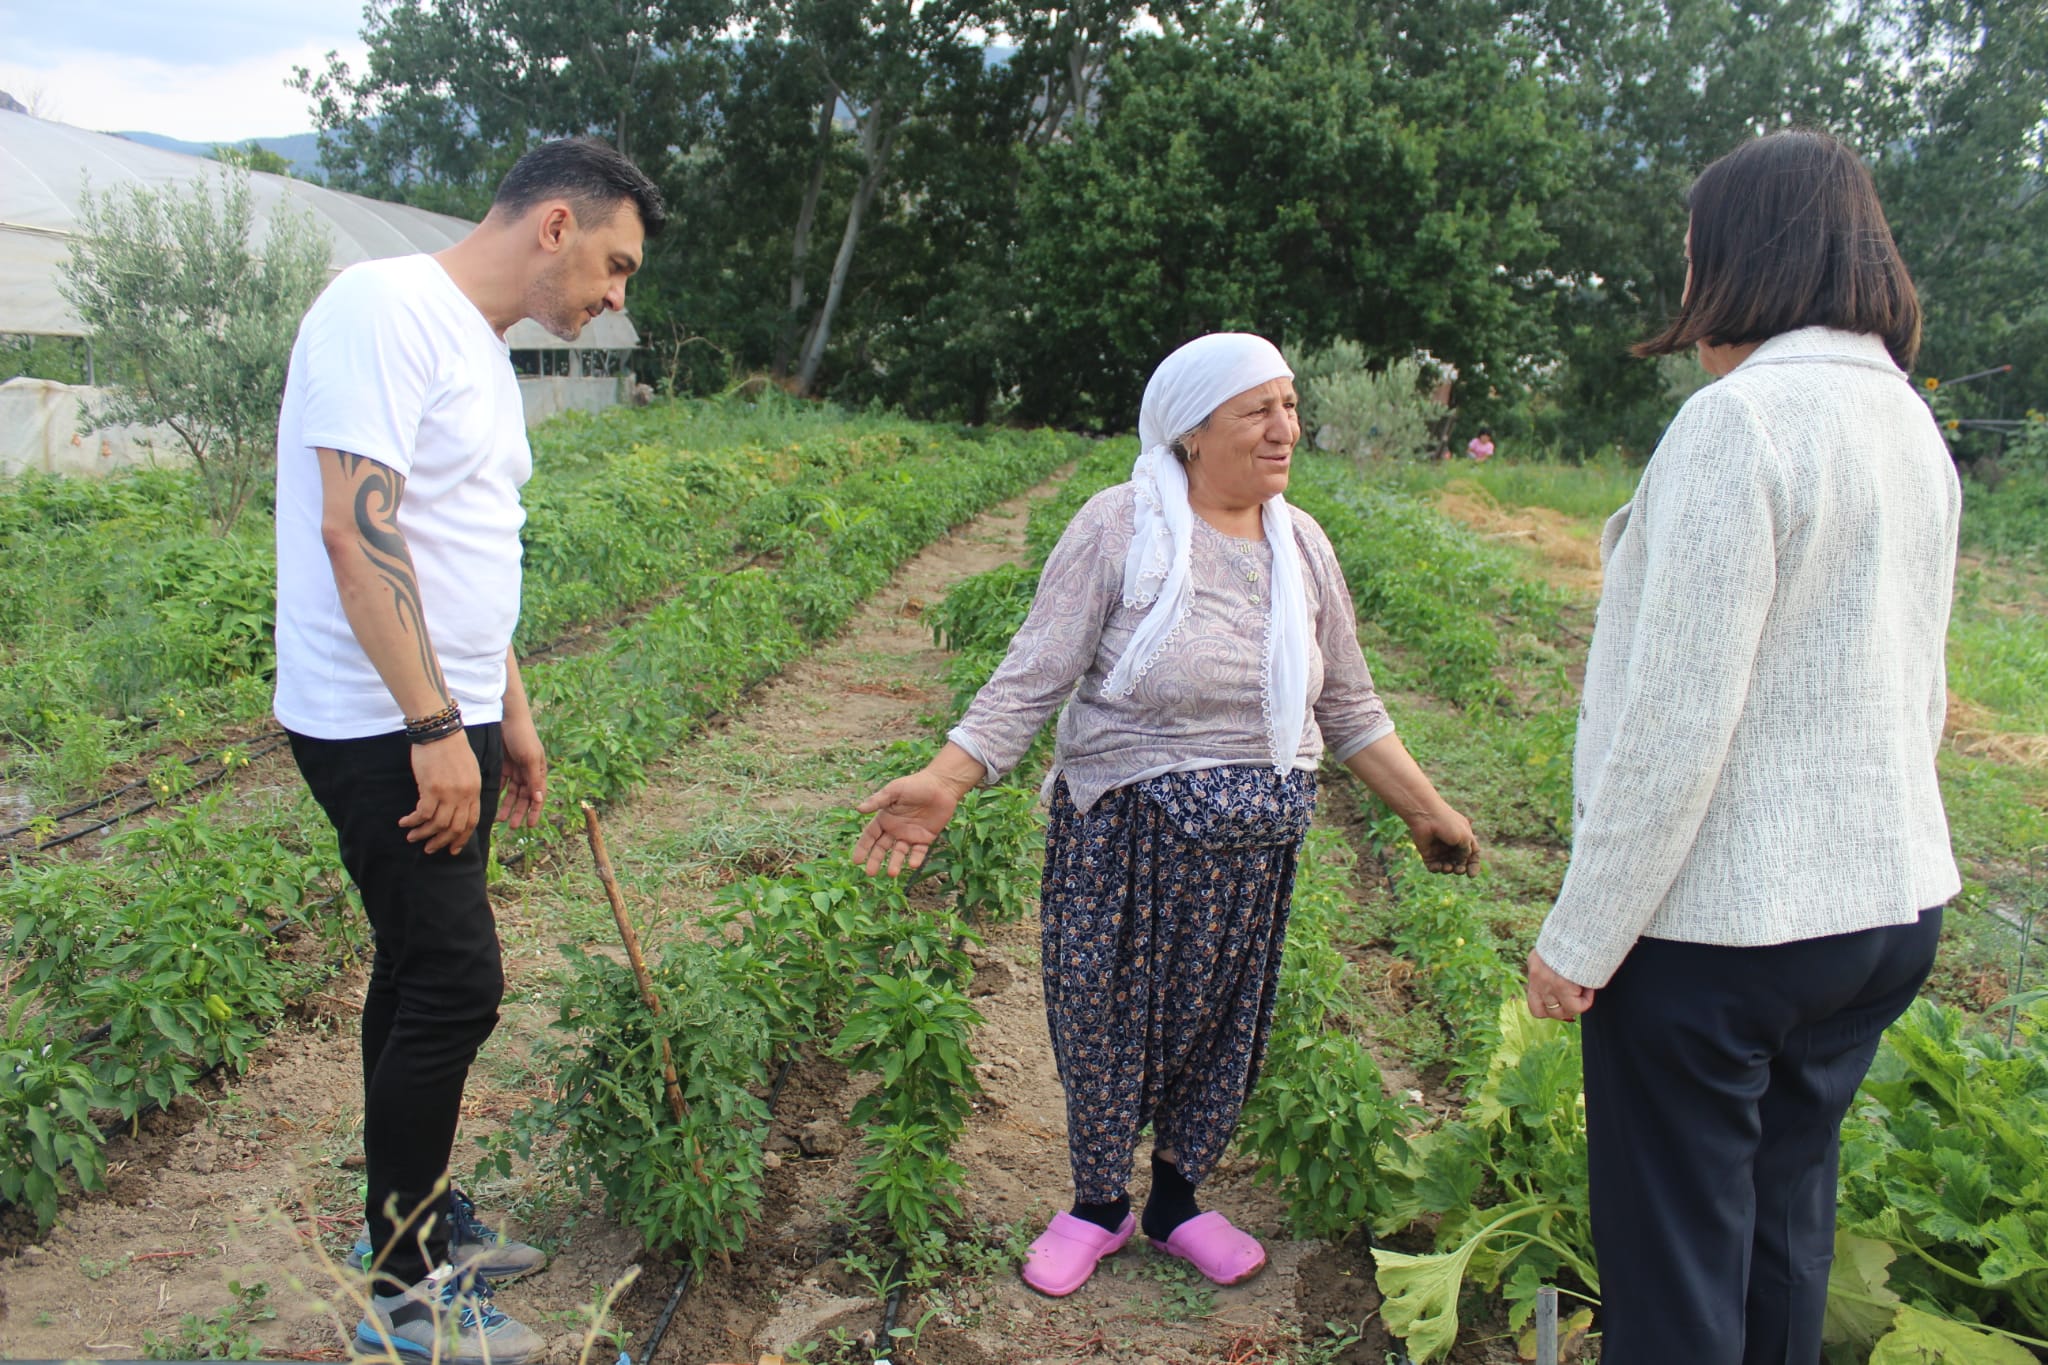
(1970, 730)
(1567, 549)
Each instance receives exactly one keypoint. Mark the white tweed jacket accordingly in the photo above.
(1765, 691)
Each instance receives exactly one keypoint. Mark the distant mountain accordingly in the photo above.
(302, 150)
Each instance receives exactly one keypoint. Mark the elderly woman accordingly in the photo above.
(1207, 639)
(1760, 854)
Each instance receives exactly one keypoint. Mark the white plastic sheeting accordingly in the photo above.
(39, 429)
(45, 166)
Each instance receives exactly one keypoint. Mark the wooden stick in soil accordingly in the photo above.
(632, 940)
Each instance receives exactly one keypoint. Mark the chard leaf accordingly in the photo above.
(1420, 1297)
(1919, 1338)
(1519, 1032)
(1860, 1304)
(2019, 1246)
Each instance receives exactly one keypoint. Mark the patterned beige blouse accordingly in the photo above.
(1202, 704)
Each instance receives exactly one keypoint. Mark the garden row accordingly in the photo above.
(129, 976)
(870, 972)
(128, 627)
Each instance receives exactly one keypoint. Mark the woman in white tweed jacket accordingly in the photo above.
(1760, 851)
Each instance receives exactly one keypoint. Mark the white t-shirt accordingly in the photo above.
(394, 363)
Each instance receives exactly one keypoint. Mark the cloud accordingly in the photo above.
(219, 101)
(200, 33)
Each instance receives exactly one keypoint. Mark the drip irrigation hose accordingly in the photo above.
(891, 1307)
(272, 740)
(276, 738)
(101, 1032)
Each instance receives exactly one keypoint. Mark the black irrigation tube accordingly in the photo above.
(891, 1306)
(275, 740)
(271, 740)
(682, 1284)
(101, 1032)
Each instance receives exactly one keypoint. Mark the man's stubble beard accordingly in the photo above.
(553, 309)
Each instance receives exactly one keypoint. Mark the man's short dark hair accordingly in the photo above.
(1787, 233)
(588, 172)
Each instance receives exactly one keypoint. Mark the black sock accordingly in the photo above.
(1171, 1203)
(1109, 1217)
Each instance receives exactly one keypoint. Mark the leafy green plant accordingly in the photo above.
(990, 852)
(1509, 1184)
(47, 1097)
(1945, 1158)
(911, 1026)
(1365, 414)
(1320, 1121)
(220, 1335)
(687, 1185)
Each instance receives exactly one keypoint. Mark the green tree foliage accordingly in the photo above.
(1964, 187)
(1657, 90)
(1304, 174)
(454, 90)
(200, 322)
(985, 208)
(251, 156)
(39, 357)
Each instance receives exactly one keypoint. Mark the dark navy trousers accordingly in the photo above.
(1716, 1083)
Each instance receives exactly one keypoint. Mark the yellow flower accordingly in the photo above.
(1931, 382)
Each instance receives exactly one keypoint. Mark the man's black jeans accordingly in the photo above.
(435, 981)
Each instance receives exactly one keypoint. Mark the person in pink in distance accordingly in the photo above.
(1480, 447)
(1203, 641)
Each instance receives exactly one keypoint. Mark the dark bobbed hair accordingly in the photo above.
(1787, 233)
(591, 174)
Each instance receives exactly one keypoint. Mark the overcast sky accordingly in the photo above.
(205, 70)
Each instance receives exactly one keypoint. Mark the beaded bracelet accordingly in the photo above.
(437, 725)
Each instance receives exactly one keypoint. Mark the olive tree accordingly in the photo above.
(196, 322)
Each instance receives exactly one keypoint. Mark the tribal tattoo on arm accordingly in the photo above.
(378, 491)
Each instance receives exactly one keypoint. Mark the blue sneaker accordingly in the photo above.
(474, 1246)
(447, 1318)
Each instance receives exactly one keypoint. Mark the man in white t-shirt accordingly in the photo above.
(401, 452)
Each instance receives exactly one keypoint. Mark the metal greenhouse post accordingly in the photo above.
(1546, 1325)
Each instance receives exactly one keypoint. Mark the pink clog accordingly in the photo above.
(1067, 1252)
(1210, 1244)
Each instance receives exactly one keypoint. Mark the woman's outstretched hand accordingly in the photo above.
(1446, 842)
(910, 812)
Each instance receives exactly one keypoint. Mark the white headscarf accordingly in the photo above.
(1189, 385)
